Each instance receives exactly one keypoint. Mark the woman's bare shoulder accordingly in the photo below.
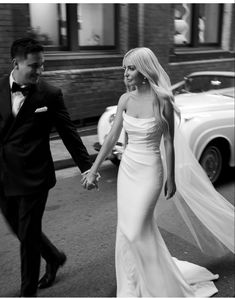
(124, 99)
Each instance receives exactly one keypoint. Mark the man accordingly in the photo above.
(29, 107)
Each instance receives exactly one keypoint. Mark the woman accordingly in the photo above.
(144, 266)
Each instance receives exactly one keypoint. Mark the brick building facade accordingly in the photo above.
(92, 79)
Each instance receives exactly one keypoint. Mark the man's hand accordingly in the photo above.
(90, 180)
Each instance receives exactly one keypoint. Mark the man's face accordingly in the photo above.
(29, 69)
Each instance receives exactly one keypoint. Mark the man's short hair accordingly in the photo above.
(24, 46)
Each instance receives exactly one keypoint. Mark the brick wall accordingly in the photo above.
(133, 35)
(88, 92)
(123, 28)
(65, 61)
(158, 22)
(14, 22)
(6, 37)
(232, 41)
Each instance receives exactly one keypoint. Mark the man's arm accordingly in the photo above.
(68, 132)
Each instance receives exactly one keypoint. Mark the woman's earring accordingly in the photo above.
(144, 81)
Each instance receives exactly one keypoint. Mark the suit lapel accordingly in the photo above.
(29, 106)
(5, 99)
(6, 117)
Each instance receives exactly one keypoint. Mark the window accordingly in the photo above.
(48, 24)
(197, 24)
(96, 24)
(73, 26)
(203, 83)
(199, 84)
(183, 22)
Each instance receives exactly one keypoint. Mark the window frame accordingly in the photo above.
(72, 30)
(72, 33)
(195, 36)
(58, 47)
(194, 42)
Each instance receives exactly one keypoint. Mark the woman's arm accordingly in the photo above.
(109, 142)
(170, 187)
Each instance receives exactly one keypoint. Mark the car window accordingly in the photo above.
(198, 84)
(222, 82)
(206, 83)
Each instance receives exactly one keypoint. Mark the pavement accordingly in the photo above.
(61, 157)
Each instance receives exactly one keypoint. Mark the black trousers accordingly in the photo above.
(24, 216)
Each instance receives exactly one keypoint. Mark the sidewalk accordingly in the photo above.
(61, 157)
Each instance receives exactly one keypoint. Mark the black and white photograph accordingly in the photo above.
(117, 149)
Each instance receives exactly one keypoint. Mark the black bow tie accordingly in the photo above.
(24, 90)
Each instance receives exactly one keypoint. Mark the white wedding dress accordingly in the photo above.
(144, 266)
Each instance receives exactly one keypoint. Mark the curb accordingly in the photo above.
(68, 163)
(82, 131)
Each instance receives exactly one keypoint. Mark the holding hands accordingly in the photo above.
(90, 180)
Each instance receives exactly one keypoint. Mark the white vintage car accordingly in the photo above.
(207, 120)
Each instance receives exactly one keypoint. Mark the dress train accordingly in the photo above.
(144, 266)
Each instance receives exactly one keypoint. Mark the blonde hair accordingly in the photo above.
(146, 63)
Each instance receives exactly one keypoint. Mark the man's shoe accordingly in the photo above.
(51, 269)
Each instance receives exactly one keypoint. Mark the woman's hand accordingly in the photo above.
(90, 180)
(170, 188)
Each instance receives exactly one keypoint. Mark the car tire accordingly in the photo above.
(212, 162)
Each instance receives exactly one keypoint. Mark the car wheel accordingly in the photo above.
(212, 162)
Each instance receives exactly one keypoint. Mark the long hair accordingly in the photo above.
(148, 65)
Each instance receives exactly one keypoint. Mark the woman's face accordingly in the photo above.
(132, 76)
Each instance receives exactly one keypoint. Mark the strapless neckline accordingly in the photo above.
(149, 118)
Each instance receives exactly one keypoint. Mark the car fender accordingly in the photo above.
(200, 135)
(104, 125)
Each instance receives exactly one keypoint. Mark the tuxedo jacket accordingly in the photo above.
(26, 164)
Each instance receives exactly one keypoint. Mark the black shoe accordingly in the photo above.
(51, 269)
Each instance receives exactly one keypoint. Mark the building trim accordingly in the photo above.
(80, 71)
(202, 61)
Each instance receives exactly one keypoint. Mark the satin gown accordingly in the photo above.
(144, 266)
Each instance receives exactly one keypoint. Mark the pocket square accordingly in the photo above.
(40, 110)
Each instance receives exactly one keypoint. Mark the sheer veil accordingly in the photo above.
(204, 217)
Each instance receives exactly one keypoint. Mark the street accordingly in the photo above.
(82, 224)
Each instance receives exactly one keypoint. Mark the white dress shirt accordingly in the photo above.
(17, 98)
